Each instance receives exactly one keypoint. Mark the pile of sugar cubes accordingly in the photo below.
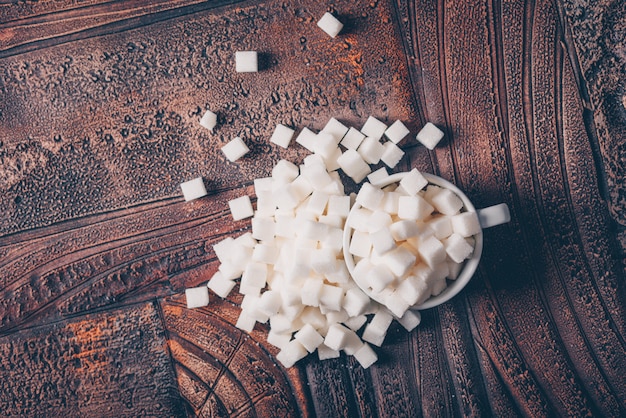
(290, 265)
(408, 239)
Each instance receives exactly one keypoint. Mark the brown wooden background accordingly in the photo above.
(99, 110)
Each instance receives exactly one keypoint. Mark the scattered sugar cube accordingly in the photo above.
(291, 353)
(245, 322)
(307, 139)
(360, 244)
(278, 340)
(378, 176)
(325, 145)
(376, 330)
(220, 285)
(392, 154)
(269, 303)
(311, 291)
(325, 353)
(263, 229)
(396, 132)
(197, 297)
(265, 253)
(396, 303)
(465, 224)
(235, 149)
(338, 205)
(331, 297)
(246, 62)
(410, 320)
(335, 128)
(457, 248)
(365, 356)
(447, 202)
(413, 182)
(254, 276)
(429, 136)
(193, 189)
(209, 120)
(282, 135)
(352, 139)
(371, 150)
(241, 208)
(308, 337)
(353, 165)
(355, 302)
(374, 128)
(330, 24)
(285, 171)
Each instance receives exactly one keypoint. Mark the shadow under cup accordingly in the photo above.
(488, 217)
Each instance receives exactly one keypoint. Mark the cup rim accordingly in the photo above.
(469, 267)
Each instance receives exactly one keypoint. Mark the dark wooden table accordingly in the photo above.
(99, 110)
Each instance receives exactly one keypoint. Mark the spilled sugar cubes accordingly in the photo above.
(241, 208)
(197, 297)
(246, 62)
(330, 24)
(209, 120)
(422, 244)
(193, 189)
(235, 149)
(429, 136)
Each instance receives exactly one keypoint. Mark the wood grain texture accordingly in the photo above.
(99, 110)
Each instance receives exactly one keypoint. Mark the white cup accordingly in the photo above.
(488, 217)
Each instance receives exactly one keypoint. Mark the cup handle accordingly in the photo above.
(494, 215)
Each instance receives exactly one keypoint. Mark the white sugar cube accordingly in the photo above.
(353, 165)
(325, 353)
(278, 340)
(331, 160)
(330, 24)
(399, 261)
(355, 323)
(270, 302)
(317, 202)
(336, 316)
(465, 224)
(338, 205)
(432, 251)
(263, 184)
(220, 285)
(313, 159)
(331, 297)
(245, 322)
(246, 62)
(352, 139)
(312, 230)
(285, 226)
(396, 132)
(414, 208)
(291, 353)
(254, 277)
(241, 208)
(263, 229)
(323, 260)
(374, 128)
(360, 244)
(308, 337)
(193, 189)
(235, 149)
(438, 286)
(429, 135)
(413, 290)
(392, 154)
(410, 320)
(376, 330)
(285, 171)
(339, 276)
(404, 229)
(230, 270)
(441, 226)
(336, 337)
(382, 241)
(371, 150)
(335, 128)
(282, 135)
(311, 290)
(447, 202)
(454, 269)
(280, 323)
(355, 302)
(209, 120)
(413, 182)
(325, 145)
(369, 196)
(223, 249)
(312, 315)
(431, 191)
(365, 356)
(307, 139)
(265, 253)
(317, 176)
(197, 297)
(390, 202)
(396, 303)
(378, 176)
(379, 277)
(301, 187)
(457, 248)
